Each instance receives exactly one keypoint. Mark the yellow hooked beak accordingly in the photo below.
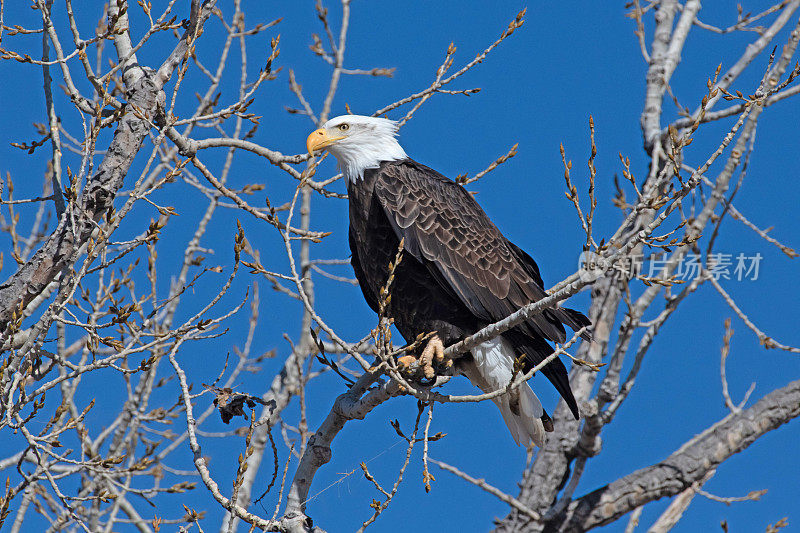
(320, 139)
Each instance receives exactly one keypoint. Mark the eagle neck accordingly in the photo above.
(357, 159)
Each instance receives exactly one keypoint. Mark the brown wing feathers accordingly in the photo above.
(445, 228)
(442, 223)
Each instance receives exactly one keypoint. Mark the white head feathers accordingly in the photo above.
(358, 143)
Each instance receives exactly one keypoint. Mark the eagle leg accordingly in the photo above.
(434, 351)
(442, 361)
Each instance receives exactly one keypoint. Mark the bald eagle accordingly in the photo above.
(458, 272)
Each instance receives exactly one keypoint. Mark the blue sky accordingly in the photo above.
(538, 89)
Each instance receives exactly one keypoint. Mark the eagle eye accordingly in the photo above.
(344, 127)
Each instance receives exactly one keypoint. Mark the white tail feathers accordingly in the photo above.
(521, 409)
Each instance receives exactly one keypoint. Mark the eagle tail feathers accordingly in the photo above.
(492, 369)
(574, 319)
(525, 428)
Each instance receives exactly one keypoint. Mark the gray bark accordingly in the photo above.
(143, 87)
(687, 465)
(56, 254)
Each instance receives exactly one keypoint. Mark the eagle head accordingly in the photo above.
(357, 142)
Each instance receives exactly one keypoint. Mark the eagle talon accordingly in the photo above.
(406, 363)
(424, 368)
(447, 364)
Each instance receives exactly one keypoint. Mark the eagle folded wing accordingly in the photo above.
(445, 228)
